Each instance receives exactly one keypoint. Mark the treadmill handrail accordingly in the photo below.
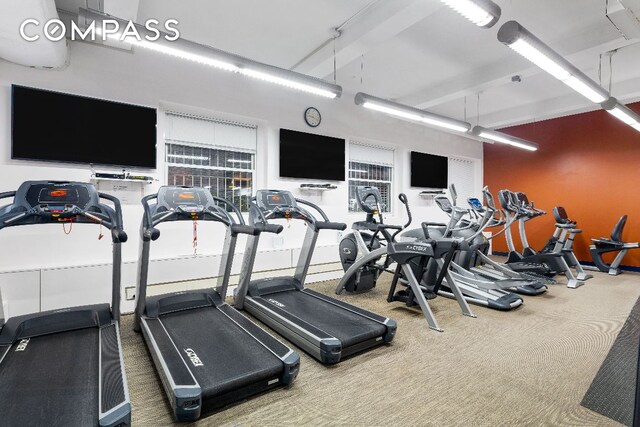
(211, 213)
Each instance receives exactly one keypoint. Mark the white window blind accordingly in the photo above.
(220, 156)
(462, 175)
(370, 154)
(211, 132)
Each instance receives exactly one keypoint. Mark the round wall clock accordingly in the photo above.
(312, 117)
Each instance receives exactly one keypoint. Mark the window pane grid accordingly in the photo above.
(226, 173)
(373, 175)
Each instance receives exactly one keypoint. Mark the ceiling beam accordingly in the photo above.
(563, 105)
(582, 48)
(369, 31)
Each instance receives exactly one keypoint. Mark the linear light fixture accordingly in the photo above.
(409, 113)
(483, 13)
(213, 57)
(503, 138)
(532, 48)
(622, 113)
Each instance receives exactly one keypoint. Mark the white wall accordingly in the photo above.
(158, 81)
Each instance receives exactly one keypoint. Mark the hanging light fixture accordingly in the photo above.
(622, 113)
(503, 138)
(529, 46)
(410, 113)
(483, 13)
(207, 55)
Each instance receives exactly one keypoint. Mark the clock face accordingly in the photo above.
(312, 117)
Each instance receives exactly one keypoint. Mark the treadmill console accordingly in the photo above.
(475, 204)
(56, 200)
(275, 200)
(191, 202)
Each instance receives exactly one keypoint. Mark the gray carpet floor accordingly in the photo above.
(530, 366)
(612, 392)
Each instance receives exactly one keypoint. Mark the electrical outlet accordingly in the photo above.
(130, 293)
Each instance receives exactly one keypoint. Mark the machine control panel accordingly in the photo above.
(190, 201)
(444, 203)
(369, 199)
(475, 204)
(61, 201)
(270, 200)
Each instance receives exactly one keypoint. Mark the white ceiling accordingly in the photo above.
(420, 52)
(417, 52)
(42, 53)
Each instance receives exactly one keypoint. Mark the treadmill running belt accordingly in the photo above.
(227, 357)
(348, 327)
(52, 382)
(612, 392)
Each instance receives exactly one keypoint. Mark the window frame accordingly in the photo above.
(220, 148)
(388, 209)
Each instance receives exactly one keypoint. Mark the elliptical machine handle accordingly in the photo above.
(405, 201)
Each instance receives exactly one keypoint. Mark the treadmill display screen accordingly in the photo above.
(55, 195)
(275, 200)
(186, 197)
(268, 200)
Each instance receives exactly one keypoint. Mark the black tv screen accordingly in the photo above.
(55, 126)
(309, 156)
(429, 171)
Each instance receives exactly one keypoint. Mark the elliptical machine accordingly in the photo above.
(420, 286)
(365, 239)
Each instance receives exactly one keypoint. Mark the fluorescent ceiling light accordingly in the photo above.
(483, 13)
(410, 113)
(529, 46)
(622, 113)
(179, 53)
(288, 82)
(538, 58)
(585, 89)
(213, 57)
(503, 138)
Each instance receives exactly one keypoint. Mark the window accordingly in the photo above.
(370, 166)
(462, 175)
(366, 174)
(206, 153)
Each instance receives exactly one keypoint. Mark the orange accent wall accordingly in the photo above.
(589, 163)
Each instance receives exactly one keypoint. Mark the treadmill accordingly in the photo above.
(326, 328)
(64, 367)
(207, 354)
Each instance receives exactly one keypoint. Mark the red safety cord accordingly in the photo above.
(195, 237)
(100, 235)
(64, 228)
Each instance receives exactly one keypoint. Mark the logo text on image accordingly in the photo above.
(55, 30)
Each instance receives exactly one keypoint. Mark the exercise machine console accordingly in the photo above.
(65, 366)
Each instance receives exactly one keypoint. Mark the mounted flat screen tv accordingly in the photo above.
(53, 126)
(308, 156)
(429, 171)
